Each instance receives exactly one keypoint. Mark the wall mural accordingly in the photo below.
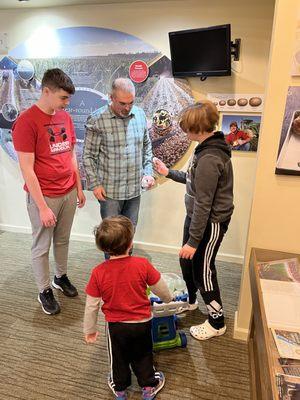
(93, 58)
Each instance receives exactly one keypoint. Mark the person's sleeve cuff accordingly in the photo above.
(193, 242)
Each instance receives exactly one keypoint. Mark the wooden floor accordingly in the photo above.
(44, 357)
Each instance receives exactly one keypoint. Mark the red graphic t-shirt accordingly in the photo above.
(51, 138)
(122, 284)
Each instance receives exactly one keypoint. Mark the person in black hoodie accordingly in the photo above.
(209, 206)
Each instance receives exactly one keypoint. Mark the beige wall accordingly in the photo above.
(162, 211)
(275, 216)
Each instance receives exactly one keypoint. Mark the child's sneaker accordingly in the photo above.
(121, 395)
(149, 392)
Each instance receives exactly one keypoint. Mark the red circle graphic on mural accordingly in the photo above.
(138, 71)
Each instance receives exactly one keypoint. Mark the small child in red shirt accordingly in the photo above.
(121, 283)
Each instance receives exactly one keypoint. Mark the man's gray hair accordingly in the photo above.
(124, 85)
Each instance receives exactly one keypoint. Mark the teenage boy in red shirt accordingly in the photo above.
(44, 139)
(121, 284)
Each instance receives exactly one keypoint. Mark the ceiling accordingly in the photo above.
(15, 4)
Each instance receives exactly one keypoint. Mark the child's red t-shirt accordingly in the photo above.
(51, 138)
(121, 283)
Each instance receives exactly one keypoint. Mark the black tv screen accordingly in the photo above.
(201, 52)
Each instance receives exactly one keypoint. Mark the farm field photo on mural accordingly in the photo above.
(93, 58)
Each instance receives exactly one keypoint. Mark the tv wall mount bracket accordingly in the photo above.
(235, 49)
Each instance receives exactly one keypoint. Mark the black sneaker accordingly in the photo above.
(48, 302)
(65, 286)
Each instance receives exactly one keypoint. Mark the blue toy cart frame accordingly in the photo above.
(164, 323)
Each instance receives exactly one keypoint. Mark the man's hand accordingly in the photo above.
(47, 217)
(99, 193)
(81, 198)
(241, 142)
(91, 337)
(187, 252)
(160, 167)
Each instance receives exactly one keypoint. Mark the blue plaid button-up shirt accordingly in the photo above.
(117, 152)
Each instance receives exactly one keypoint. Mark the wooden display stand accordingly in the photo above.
(263, 354)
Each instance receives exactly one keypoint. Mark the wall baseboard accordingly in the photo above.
(232, 258)
(239, 333)
(15, 228)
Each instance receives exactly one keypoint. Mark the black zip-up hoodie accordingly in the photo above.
(209, 186)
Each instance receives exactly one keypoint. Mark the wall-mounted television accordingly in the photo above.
(201, 52)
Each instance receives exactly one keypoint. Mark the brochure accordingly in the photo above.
(287, 270)
(288, 387)
(280, 285)
(289, 366)
(287, 342)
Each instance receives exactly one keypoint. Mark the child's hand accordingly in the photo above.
(91, 337)
(160, 167)
(187, 252)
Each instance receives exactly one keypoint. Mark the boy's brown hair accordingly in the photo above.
(56, 79)
(200, 117)
(114, 235)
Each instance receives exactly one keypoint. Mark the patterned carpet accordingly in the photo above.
(45, 357)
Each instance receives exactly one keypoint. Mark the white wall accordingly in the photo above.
(162, 211)
(275, 215)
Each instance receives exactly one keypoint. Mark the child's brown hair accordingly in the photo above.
(200, 117)
(114, 235)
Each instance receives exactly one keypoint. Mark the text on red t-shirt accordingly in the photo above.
(51, 138)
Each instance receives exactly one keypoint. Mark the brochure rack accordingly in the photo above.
(263, 353)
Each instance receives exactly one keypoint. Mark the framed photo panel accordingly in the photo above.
(288, 160)
(241, 131)
(295, 70)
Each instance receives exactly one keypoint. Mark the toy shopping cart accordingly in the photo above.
(164, 323)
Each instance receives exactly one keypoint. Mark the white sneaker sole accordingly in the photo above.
(56, 286)
(162, 384)
(191, 307)
(46, 312)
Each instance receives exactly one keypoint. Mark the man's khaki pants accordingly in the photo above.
(64, 209)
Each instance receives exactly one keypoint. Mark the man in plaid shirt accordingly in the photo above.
(118, 153)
